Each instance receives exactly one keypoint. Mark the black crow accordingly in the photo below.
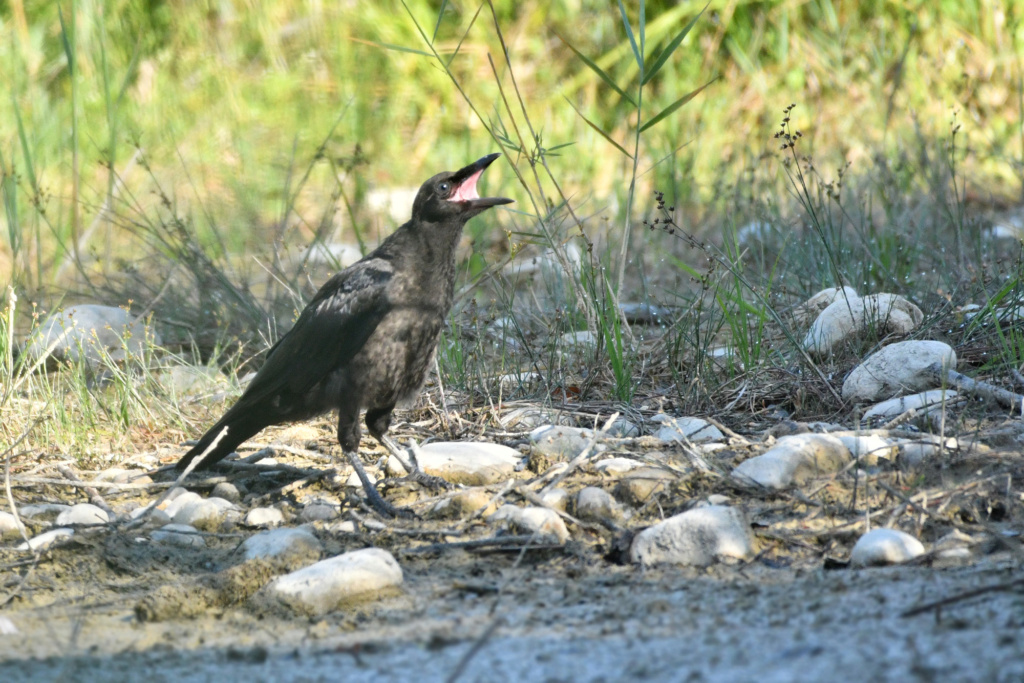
(368, 337)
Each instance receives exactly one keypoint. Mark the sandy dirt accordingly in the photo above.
(561, 614)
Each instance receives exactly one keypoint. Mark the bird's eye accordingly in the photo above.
(445, 187)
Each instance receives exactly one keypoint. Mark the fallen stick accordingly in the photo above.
(94, 496)
(1007, 399)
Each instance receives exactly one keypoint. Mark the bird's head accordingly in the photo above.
(452, 196)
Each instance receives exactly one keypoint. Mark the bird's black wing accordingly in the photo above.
(329, 332)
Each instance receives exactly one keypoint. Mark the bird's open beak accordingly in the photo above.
(465, 185)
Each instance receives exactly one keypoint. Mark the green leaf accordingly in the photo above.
(670, 48)
(675, 105)
(598, 70)
(632, 41)
(599, 131)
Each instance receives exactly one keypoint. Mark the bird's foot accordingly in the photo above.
(373, 497)
(409, 461)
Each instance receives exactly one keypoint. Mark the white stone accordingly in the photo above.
(560, 442)
(810, 309)
(47, 539)
(846, 318)
(227, 491)
(331, 583)
(345, 526)
(118, 475)
(899, 368)
(794, 460)
(956, 545)
(543, 523)
(264, 518)
(623, 429)
(614, 466)
(880, 547)
(528, 417)
(556, 499)
(156, 516)
(178, 499)
(755, 232)
(192, 380)
(180, 535)
(353, 481)
(915, 453)
(519, 380)
(725, 357)
(203, 512)
(7, 627)
(684, 429)
(596, 504)
(43, 511)
(640, 484)
(869, 447)
(923, 402)
(697, 537)
(468, 462)
(318, 512)
(582, 340)
(281, 543)
(545, 262)
(10, 525)
(90, 332)
(83, 513)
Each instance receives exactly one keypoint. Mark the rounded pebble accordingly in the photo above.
(264, 518)
(291, 543)
(596, 504)
(329, 584)
(227, 491)
(793, 460)
(697, 537)
(544, 524)
(180, 535)
(203, 513)
(467, 462)
(84, 514)
(880, 547)
(47, 539)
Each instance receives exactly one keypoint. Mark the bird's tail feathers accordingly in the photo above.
(215, 446)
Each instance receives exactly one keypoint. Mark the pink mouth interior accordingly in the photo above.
(467, 190)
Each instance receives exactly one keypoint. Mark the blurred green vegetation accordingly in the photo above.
(229, 102)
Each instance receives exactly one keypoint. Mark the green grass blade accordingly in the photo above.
(599, 131)
(396, 48)
(440, 16)
(643, 26)
(632, 39)
(671, 48)
(596, 69)
(667, 111)
(463, 38)
(10, 200)
(25, 151)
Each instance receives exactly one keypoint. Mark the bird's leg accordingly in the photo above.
(377, 421)
(375, 500)
(409, 463)
(348, 437)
